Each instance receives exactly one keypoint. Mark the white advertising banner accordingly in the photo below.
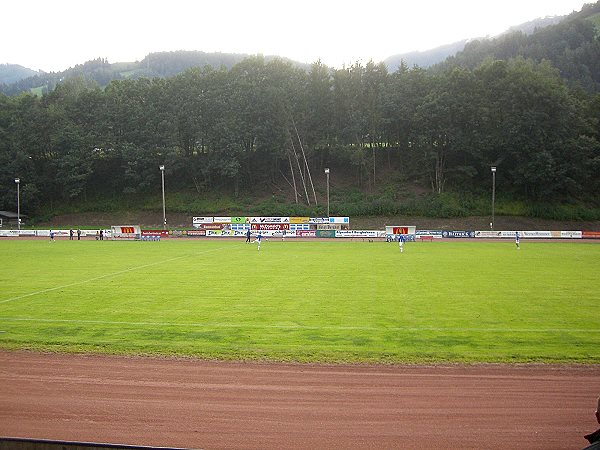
(223, 219)
(511, 234)
(359, 234)
(9, 233)
(571, 234)
(269, 220)
(318, 220)
(199, 220)
(340, 220)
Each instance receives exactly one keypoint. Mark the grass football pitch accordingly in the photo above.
(334, 301)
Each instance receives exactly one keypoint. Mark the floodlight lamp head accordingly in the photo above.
(17, 180)
(493, 168)
(161, 167)
(327, 170)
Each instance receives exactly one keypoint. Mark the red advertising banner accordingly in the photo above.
(196, 232)
(270, 226)
(127, 230)
(590, 234)
(162, 233)
(400, 230)
(212, 226)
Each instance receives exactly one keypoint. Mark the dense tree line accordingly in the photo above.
(262, 124)
(572, 46)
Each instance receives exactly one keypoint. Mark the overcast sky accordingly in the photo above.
(57, 34)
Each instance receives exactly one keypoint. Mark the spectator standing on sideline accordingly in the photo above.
(78, 234)
(517, 240)
(70, 235)
(248, 234)
(594, 438)
(101, 235)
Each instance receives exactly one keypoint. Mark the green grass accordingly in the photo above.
(304, 301)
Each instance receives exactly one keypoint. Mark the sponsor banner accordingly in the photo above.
(222, 219)
(571, 234)
(489, 234)
(27, 233)
(395, 229)
(299, 219)
(359, 234)
(269, 220)
(325, 233)
(238, 220)
(198, 220)
(534, 234)
(458, 234)
(9, 233)
(212, 226)
(329, 226)
(300, 226)
(162, 233)
(270, 226)
(318, 220)
(307, 233)
(345, 220)
(590, 234)
(429, 232)
(59, 233)
(196, 233)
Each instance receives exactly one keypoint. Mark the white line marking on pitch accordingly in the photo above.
(108, 275)
(298, 327)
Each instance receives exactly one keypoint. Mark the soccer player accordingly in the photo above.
(517, 240)
(257, 240)
(401, 243)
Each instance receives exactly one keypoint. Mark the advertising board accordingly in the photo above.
(308, 233)
(196, 233)
(299, 219)
(359, 234)
(458, 234)
(270, 226)
(269, 220)
(590, 234)
(199, 220)
(571, 234)
(340, 220)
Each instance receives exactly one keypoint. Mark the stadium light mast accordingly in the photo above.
(493, 195)
(327, 173)
(18, 181)
(162, 173)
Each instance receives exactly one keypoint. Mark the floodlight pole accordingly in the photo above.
(162, 173)
(327, 173)
(18, 181)
(493, 195)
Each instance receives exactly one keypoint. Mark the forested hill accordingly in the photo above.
(266, 128)
(102, 72)
(572, 46)
(11, 73)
